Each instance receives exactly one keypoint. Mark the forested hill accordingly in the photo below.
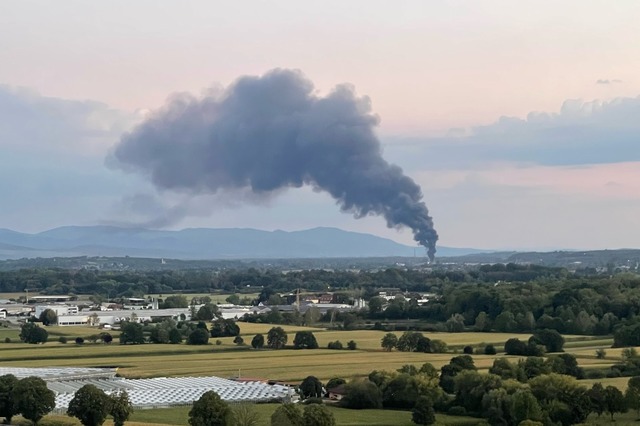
(203, 243)
(623, 259)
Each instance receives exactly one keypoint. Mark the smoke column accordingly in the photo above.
(270, 133)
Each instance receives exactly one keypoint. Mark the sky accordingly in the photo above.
(519, 120)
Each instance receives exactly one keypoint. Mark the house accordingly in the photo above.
(336, 394)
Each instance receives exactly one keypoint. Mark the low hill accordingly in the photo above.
(204, 243)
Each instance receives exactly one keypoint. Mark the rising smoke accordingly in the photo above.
(272, 132)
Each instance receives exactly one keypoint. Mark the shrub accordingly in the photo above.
(490, 349)
(352, 345)
(218, 342)
(362, 394)
(468, 350)
(7, 340)
(62, 339)
(457, 410)
(335, 345)
(79, 340)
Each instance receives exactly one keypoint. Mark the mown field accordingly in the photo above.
(228, 359)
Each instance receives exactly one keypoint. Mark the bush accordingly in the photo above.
(238, 340)
(314, 400)
(286, 415)
(362, 394)
(352, 345)
(218, 342)
(199, 336)
(457, 410)
(438, 346)
(79, 340)
(595, 374)
(468, 350)
(62, 339)
(490, 349)
(335, 345)
(317, 415)
(7, 340)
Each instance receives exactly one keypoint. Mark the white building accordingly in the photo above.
(58, 309)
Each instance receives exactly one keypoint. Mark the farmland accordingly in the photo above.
(227, 359)
(289, 365)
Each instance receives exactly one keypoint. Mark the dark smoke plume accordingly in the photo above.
(272, 132)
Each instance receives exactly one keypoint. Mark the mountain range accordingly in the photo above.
(205, 243)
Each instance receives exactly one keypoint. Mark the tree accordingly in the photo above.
(614, 401)
(564, 399)
(401, 392)
(225, 328)
(244, 414)
(376, 304)
(438, 346)
(506, 370)
(423, 413)
(428, 370)
(525, 406)
(210, 410)
(632, 394)
(199, 336)
(287, 415)
(550, 339)
(312, 316)
(361, 394)
(106, 337)
(257, 342)
(305, 340)
(601, 353)
(175, 337)
(31, 333)
(413, 341)
(470, 386)
(33, 400)
(131, 333)
(175, 302)
(449, 371)
(597, 397)
(90, 405)
(238, 340)
(311, 387)
(276, 338)
(48, 317)
(207, 312)
(352, 345)
(389, 341)
(490, 349)
(7, 403)
(337, 345)
(318, 415)
(120, 407)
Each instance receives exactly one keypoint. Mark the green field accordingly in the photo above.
(344, 417)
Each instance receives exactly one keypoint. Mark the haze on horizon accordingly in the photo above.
(519, 120)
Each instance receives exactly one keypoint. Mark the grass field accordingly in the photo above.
(344, 417)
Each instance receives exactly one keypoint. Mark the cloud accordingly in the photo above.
(31, 122)
(581, 132)
(52, 154)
